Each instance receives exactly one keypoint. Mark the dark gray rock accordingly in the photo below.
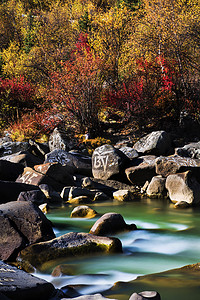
(129, 152)
(76, 192)
(57, 172)
(22, 223)
(10, 190)
(30, 176)
(90, 297)
(38, 149)
(59, 140)
(156, 187)
(54, 175)
(36, 197)
(176, 164)
(6, 138)
(68, 245)
(77, 162)
(51, 195)
(110, 223)
(87, 182)
(108, 162)
(23, 157)
(3, 297)
(9, 171)
(156, 143)
(13, 147)
(183, 187)
(191, 150)
(17, 284)
(142, 169)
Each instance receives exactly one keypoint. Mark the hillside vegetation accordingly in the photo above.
(83, 62)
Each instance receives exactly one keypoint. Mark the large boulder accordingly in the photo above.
(77, 162)
(50, 174)
(9, 171)
(11, 190)
(30, 176)
(13, 147)
(183, 187)
(108, 162)
(23, 157)
(156, 187)
(17, 284)
(110, 223)
(191, 150)
(35, 196)
(142, 170)
(22, 223)
(56, 172)
(59, 140)
(68, 245)
(129, 152)
(155, 143)
(176, 164)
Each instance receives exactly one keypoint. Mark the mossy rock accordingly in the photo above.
(69, 245)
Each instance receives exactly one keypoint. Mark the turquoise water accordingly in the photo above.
(167, 238)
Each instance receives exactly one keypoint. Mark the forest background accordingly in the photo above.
(82, 62)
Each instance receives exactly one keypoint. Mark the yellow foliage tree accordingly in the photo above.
(109, 37)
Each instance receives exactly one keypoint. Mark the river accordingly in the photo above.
(167, 238)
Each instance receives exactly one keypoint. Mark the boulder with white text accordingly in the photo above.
(108, 162)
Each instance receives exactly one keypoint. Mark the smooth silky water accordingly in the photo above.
(167, 238)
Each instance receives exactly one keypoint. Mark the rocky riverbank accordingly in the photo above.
(36, 176)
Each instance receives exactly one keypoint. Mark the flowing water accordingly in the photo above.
(167, 238)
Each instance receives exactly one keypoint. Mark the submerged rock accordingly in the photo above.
(68, 245)
(83, 211)
(145, 295)
(110, 223)
(180, 283)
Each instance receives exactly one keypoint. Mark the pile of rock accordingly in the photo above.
(32, 174)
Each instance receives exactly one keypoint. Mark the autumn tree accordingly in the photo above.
(76, 88)
(109, 37)
(169, 29)
(16, 98)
